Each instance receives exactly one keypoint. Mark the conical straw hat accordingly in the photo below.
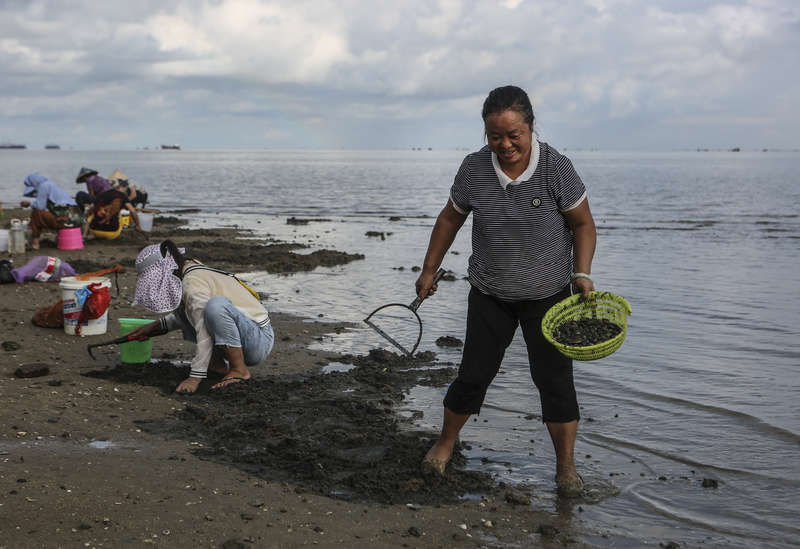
(118, 175)
(84, 173)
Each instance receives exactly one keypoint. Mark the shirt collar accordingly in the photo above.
(504, 180)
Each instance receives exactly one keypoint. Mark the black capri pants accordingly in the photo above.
(491, 324)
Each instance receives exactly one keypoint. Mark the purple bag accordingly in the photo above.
(43, 269)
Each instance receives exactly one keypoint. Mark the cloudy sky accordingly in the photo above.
(629, 74)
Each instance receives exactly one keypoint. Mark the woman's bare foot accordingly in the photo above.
(437, 457)
(569, 485)
(188, 386)
(234, 375)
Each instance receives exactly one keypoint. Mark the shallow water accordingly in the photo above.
(705, 247)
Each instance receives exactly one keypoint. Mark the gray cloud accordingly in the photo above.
(246, 73)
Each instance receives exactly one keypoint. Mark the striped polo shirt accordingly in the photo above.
(521, 242)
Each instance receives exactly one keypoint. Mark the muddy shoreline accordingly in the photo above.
(103, 453)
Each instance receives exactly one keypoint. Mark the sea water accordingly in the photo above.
(704, 245)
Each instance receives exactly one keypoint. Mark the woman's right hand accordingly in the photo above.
(425, 285)
(24, 203)
(143, 332)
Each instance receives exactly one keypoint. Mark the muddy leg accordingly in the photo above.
(563, 436)
(439, 454)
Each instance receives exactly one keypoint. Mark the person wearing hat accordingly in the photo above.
(136, 196)
(213, 308)
(52, 209)
(94, 185)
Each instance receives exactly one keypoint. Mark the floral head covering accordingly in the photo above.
(157, 287)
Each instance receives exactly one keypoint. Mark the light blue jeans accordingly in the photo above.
(231, 327)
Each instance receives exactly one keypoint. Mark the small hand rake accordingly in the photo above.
(120, 340)
(413, 306)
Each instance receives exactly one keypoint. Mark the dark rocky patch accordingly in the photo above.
(547, 530)
(163, 220)
(449, 341)
(307, 430)
(304, 221)
(273, 258)
(377, 234)
(32, 370)
(10, 346)
(516, 497)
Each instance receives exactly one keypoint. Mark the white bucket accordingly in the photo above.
(146, 221)
(3, 240)
(72, 310)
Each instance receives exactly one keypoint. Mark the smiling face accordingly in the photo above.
(510, 138)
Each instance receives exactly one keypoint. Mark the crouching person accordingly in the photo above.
(213, 308)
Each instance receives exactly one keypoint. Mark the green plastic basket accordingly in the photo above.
(598, 305)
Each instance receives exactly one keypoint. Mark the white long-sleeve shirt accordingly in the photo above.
(198, 286)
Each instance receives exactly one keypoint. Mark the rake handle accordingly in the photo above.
(414, 305)
(120, 340)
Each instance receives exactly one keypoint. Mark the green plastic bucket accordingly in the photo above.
(134, 351)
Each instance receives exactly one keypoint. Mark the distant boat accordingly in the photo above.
(52, 147)
(170, 147)
(12, 146)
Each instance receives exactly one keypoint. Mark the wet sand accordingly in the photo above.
(99, 453)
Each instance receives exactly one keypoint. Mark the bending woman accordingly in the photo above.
(51, 209)
(212, 308)
(105, 216)
(533, 237)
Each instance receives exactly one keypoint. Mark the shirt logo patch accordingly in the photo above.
(536, 202)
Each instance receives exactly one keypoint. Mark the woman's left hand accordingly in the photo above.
(188, 385)
(582, 286)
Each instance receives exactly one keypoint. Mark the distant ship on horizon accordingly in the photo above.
(52, 147)
(12, 146)
(173, 147)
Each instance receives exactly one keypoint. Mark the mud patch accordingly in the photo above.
(169, 220)
(305, 221)
(449, 341)
(277, 258)
(309, 431)
(10, 346)
(32, 370)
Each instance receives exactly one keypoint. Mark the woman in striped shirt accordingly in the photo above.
(533, 239)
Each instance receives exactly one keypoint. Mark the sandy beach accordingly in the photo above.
(96, 453)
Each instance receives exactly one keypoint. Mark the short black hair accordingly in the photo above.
(507, 98)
